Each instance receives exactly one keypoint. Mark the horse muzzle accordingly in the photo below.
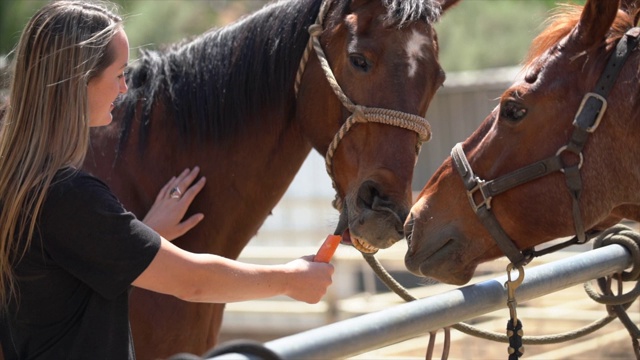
(370, 222)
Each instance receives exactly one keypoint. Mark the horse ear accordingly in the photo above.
(595, 21)
(631, 7)
(446, 4)
(627, 5)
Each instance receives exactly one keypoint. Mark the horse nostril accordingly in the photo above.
(367, 194)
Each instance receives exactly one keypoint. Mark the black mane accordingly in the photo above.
(206, 99)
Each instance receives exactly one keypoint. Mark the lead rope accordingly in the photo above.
(359, 113)
(392, 284)
(618, 304)
(619, 234)
(514, 325)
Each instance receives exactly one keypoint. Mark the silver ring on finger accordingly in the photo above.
(175, 193)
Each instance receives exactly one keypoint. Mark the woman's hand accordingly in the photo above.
(309, 280)
(172, 203)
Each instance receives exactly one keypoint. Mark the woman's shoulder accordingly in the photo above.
(76, 184)
(73, 177)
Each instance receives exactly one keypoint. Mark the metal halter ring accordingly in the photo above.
(566, 148)
(175, 193)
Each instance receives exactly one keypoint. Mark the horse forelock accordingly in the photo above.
(562, 22)
(403, 12)
(215, 83)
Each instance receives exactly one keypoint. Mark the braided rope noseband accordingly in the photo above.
(360, 113)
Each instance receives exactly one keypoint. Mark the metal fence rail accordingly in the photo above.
(375, 330)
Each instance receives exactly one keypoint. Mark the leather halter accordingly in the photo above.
(586, 121)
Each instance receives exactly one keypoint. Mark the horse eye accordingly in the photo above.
(359, 62)
(512, 111)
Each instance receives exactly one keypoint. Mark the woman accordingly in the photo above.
(68, 250)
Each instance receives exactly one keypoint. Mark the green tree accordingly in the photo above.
(14, 15)
(148, 22)
(478, 34)
(473, 35)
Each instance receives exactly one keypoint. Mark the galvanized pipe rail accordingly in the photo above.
(379, 329)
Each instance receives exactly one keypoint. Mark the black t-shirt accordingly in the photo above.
(74, 280)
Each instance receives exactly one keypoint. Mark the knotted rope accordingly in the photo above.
(360, 113)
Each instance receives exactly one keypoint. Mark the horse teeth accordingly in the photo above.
(363, 246)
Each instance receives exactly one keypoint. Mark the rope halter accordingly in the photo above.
(359, 113)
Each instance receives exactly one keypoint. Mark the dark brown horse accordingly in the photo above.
(530, 171)
(228, 101)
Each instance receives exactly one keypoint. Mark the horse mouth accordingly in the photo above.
(438, 250)
(363, 246)
(347, 239)
(421, 261)
(360, 244)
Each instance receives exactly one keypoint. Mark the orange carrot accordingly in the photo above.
(328, 248)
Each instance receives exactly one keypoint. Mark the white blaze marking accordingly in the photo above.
(415, 51)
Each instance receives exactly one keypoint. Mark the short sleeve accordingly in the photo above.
(87, 231)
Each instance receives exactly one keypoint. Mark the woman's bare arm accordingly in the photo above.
(215, 279)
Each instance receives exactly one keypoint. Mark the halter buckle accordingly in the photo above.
(590, 105)
(486, 199)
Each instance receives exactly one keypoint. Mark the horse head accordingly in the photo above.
(384, 70)
(549, 161)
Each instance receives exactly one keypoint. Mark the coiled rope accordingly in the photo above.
(616, 304)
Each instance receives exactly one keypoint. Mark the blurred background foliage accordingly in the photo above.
(475, 34)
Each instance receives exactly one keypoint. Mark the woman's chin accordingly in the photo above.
(104, 121)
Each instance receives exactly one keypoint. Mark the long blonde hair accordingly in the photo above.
(46, 124)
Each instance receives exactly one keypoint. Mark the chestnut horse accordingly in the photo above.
(554, 162)
(247, 103)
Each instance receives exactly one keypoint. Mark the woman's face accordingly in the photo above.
(105, 88)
